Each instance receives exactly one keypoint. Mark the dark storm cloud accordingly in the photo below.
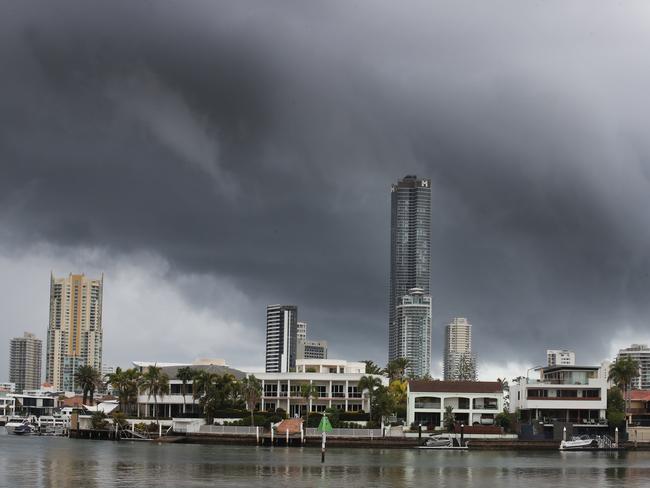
(257, 142)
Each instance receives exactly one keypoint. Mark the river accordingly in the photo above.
(60, 462)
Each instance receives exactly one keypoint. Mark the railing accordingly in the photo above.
(362, 433)
(228, 429)
(427, 405)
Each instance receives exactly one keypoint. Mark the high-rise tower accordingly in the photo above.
(413, 321)
(460, 362)
(25, 358)
(74, 335)
(410, 247)
(281, 338)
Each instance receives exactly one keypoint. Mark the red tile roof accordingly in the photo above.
(640, 395)
(456, 386)
(292, 425)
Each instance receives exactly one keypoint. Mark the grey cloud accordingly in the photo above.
(531, 120)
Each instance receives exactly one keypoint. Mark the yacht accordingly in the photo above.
(19, 425)
(582, 442)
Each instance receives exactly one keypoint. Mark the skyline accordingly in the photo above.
(213, 170)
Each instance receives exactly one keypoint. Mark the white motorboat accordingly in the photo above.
(439, 441)
(582, 442)
(19, 425)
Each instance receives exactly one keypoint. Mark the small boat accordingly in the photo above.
(579, 443)
(23, 429)
(439, 441)
(18, 425)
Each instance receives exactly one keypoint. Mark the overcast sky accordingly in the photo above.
(213, 157)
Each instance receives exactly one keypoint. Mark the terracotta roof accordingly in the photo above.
(640, 395)
(292, 425)
(456, 386)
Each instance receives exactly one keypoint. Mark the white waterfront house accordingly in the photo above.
(575, 394)
(175, 404)
(336, 383)
(472, 402)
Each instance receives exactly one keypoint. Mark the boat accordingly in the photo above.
(22, 425)
(579, 443)
(439, 441)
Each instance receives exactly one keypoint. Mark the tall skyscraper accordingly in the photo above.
(25, 358)
(281, 338)
(560, 357)
(301, 333)
(641, 354)
(309, 349)
(74, 336)
(459, 362)
(413, 324)
(410, 247)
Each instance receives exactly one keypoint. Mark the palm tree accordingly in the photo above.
(307, 391)
(372, 368)
(156, 383)
(252, 391)
(89, 379)
(622, 373)
(185, 374)
(370, 384)
(396, 369)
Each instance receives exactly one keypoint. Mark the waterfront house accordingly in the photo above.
(336, 383)
(568, 394)
(174, 404)
(472, 402)
(639, 411)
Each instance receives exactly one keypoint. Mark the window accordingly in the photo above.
(322, 391)
(427, 402)
(463, 403)
(567, 393)
(591, 393)
(353, 392)
(337, 391)
(537, 393)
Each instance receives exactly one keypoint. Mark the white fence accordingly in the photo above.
(364, 433)
(228, 429)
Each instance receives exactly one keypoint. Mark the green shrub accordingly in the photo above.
(98, 421)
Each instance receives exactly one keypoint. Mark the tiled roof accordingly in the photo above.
(455, 386)
(640, 395)
(292, 425)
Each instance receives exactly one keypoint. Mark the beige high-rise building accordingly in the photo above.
(25, 358)
(74, 335)
(459, 362)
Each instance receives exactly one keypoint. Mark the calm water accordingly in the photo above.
(45, 462)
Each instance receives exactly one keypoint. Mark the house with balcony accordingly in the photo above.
(568, 394)
(472, 402)
(336, 383)
(639, 409)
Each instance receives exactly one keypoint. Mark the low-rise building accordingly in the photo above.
(336, 382)
(639, 411)
(175, 404)
(572, 394)
(33, 403)
(7, 404)
(472, 402)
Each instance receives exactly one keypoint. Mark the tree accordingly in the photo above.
(185, 374)
(252, 392)
(89, 379)
(98, 420)
(156, 384)
(449, 419)
(465, 368)
(615, 407)
(372, 368)
(398, 390)
(396, 369)
(504, 419)
(125, 386)
(308, 391)
(622, 373)
(382, 404)
(370, 384)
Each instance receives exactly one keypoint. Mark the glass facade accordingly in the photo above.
(410, 253)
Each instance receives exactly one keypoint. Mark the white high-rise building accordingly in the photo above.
(560, 357)
(413, 331)
(25, 359)
(459, 362)
(641, 354)
(281, 338)
(301, 333)
(74, 335)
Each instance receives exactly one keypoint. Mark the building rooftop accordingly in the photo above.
(437, 386)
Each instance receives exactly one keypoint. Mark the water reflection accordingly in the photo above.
(49, 462)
